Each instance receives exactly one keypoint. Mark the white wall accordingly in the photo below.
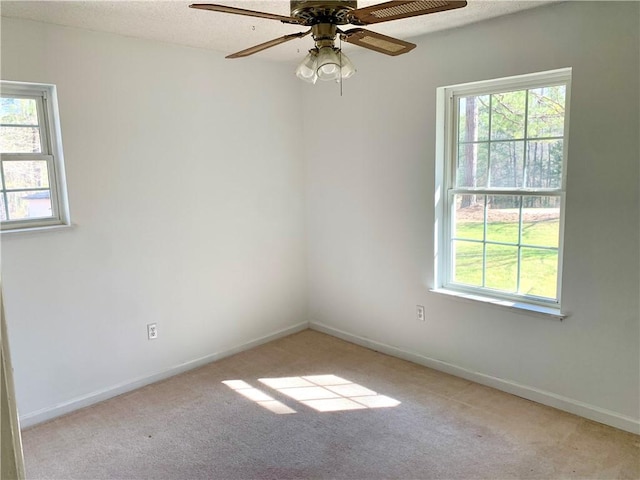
(186, 191)
(370, 209)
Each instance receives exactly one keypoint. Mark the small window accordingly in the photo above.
(32, 186)
(503, 165)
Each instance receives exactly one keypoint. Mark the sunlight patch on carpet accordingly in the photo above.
(323, 393)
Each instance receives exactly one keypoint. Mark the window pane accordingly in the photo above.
(469, 217)
(33, 204)
(539, 272)
(473, 124)
(544, 163)
(18, 111)
(507, 164)
(507, 115)
(473, 163)
(503, 218)
(502, 267)
(541, 221)
(20, 140)
(3, 213)
(27, 174)
(546, 112)
(467, 257)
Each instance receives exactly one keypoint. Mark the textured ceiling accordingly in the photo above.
(173, 22)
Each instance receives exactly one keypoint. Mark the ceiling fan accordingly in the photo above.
(325, 61)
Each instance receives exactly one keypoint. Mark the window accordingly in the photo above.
(502, 165)
(32, 188)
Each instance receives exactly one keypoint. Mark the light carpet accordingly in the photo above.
(312, 406)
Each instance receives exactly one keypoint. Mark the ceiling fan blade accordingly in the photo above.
(242, 11)
(387, 11)
(377, 41)
(271, 43)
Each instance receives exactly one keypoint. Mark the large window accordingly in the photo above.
(502, 179)
(32, 188)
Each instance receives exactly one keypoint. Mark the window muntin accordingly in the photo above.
(31, 170)
(505, 159)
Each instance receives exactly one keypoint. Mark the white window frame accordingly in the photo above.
(51, 152)
(446, 153)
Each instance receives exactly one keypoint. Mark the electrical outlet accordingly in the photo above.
(420, 313)
(152, 331)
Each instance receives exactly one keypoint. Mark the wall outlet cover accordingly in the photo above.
(152, 331)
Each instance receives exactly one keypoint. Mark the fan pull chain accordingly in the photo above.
(340, 40)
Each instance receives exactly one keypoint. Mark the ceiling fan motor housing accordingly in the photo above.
(312, 12)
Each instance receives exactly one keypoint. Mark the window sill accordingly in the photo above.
(47, 228)
(518, 307)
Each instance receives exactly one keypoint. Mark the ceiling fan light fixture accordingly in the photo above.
(325, 61)
(328, 64)
(307, 70)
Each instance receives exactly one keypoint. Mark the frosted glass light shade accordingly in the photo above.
(328, 64)
(307, 69)
(347, 66)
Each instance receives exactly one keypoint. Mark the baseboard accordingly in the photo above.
(49, 413)
(560, 402)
